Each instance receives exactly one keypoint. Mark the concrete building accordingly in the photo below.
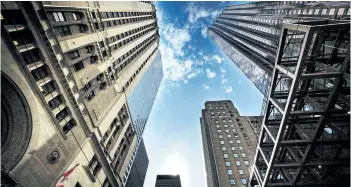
(249, 33)
(168, 181)
(229, 141)
(68, 73)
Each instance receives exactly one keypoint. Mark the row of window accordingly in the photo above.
(66, 30)
(244, 43)
(139, 69)
(126, 58)
(40, 73)
(123, 14)
(128, 33)
(130, 39)
(247, 34)
(61, 16)
(330, 12)
(232, 181)
(114, 23)
(260, 28)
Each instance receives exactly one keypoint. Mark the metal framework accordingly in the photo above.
(305, 133)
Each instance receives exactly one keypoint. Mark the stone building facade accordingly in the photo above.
(229, 141)
(67, 70)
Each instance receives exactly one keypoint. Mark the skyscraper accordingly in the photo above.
(229, 141)
(249, 33)
(69, 71)
(168, 181)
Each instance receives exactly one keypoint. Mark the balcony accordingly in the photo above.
(26, 47)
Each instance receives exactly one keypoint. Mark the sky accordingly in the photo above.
(195, 71)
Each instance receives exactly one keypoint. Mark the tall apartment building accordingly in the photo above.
(168, 181)
(70, 74)
(229, 141)
(249, 33)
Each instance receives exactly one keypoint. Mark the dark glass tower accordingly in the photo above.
(168, 181)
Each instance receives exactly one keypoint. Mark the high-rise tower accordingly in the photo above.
(229, 141)
(249, 33)
(69, 72)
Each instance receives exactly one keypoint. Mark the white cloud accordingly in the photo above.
(222, 70)
(210, 74)
(240, 82)
(206, 58)
(224, 81)
(218, 59)
(186, 81)
(222, 75)
(228, 89)
(200, 53)
(196, 12)
(215, 13)
(206, 86)
(175, 37)
(204, 32)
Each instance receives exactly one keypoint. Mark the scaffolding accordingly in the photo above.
(305, 133)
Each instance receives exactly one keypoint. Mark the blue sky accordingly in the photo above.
(195, 71)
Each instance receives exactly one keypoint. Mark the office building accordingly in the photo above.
(139, 168)
(249, 33)
(68, 70)
(229, 141)
(305, 134)
(168, 181)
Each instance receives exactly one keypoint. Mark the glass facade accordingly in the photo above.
(258, 76)
(249, 33)
(142, 98)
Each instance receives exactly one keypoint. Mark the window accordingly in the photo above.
(220, 136)
(246, 162)
(227, 163)
(79, 66)
(217, 126)
(47, 88)
(243, 154)
(219, 130)
(226, 130)
(222, 142)
(240, 148)
(241, 172)
(229, 136)
(77, 185)
(232, 181)
(68, 126)
(223, 148)
(74, 54)
(55, 102)
(243, 181)
(225, 155)
(224, 121)
(216, 121)
(233, 149)
(58, 16)
(231, 141)
(230, 172)
(62, 114)
(64, 31)
(76, 16)
(81, 28)
(225, 125)
(238, 141)
(94, 165)
(238, 163)
(236, 155)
